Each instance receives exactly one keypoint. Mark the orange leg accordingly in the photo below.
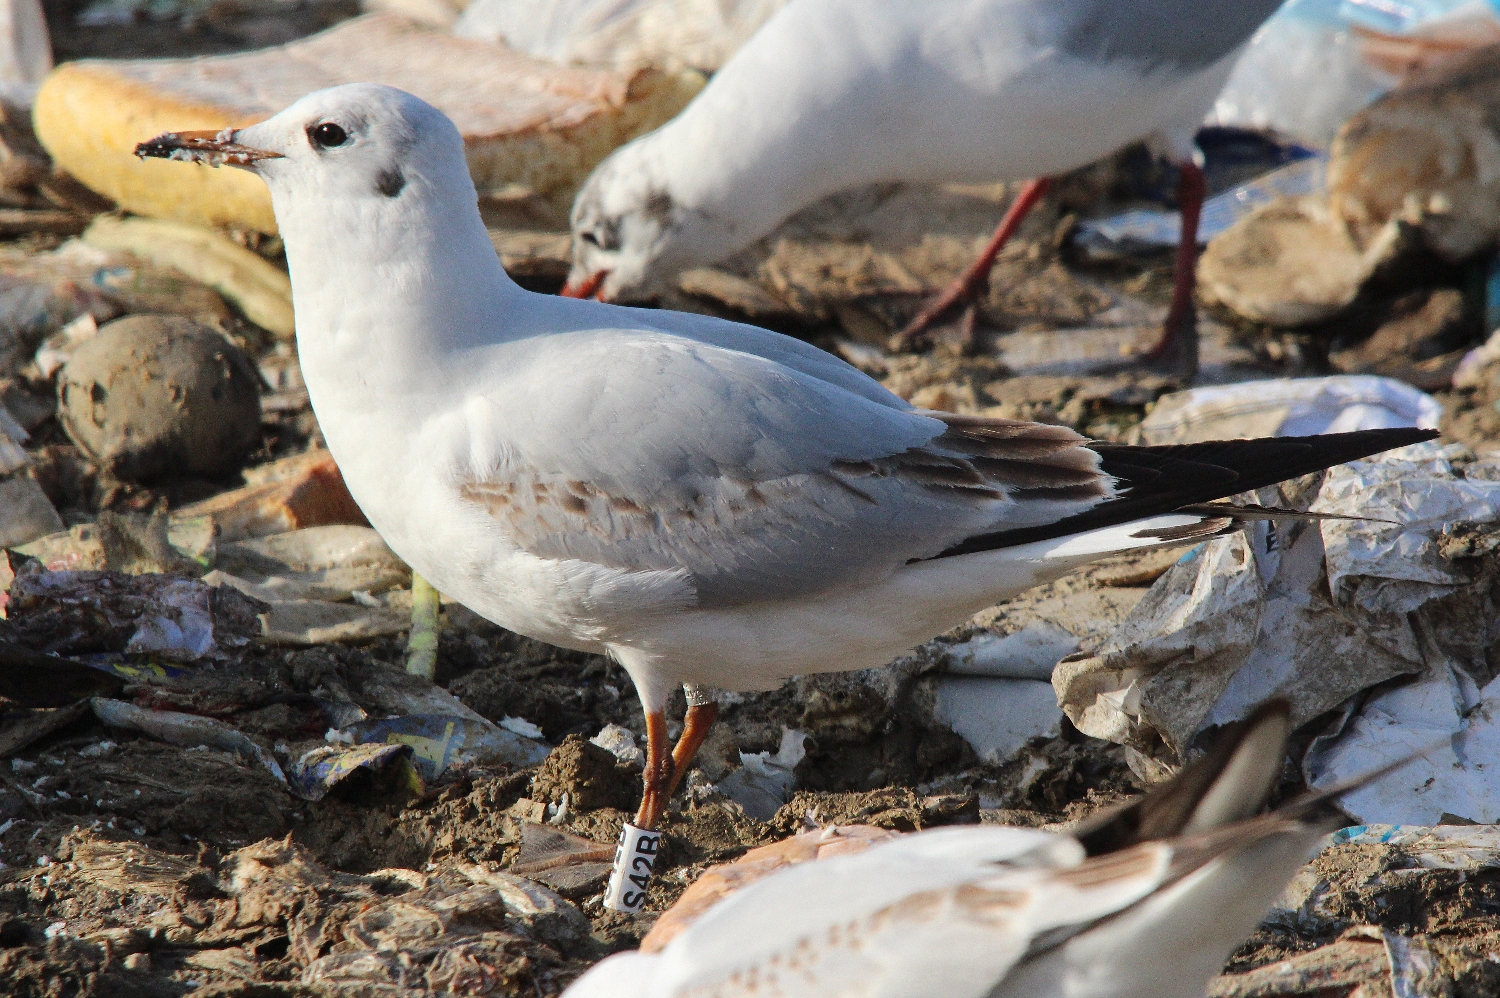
(695, 728)
(658, 774)
(1179, 339)
(974, 280)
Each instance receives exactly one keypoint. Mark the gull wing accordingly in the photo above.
(1229, 782)
(1175, 940)
(755, 479)
(1159, 479)
(1184, 35)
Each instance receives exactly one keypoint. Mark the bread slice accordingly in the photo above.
(525, 122)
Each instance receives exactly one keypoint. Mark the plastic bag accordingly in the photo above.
(1316, 62)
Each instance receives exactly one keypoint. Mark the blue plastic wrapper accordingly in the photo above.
(132, 667)
(439, 741)
(316, 772)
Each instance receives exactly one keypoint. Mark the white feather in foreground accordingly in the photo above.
(978, 911)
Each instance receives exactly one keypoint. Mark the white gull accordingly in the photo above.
(833, 94)
(1146, 901)
(706, 502)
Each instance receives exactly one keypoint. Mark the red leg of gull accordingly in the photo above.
(701, 713)
(974, 280)
(658, 775)
(635, 855)
(1178, 346)
(640, 843)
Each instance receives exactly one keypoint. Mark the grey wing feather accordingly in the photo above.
(650, 452)
(1190, 34)
(783, 350)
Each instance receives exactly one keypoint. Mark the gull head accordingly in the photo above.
(357, 155)
(630, 236)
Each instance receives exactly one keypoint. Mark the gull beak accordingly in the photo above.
(212, 148)
(591, 287)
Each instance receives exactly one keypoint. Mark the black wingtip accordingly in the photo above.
(1365, 443)
(1161, 478)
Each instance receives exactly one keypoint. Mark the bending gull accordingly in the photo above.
(833, 94)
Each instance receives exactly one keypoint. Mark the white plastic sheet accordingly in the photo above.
(764, 781)
(1029, 653)
(1316, 62)
(997, 717)
(1147, 227)
(1288, 407)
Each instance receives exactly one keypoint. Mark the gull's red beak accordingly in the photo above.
(590, 287)
(213, 148)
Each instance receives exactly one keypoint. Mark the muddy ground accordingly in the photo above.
(134, 867)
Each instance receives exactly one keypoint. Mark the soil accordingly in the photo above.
(135, 867)
(125, 857)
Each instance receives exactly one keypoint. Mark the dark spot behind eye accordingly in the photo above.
(390, 181)
(327, 135)
(659, 207)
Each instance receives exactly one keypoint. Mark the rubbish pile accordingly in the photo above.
(243, 750)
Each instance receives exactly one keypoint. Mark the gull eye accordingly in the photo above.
(327, 135)
(605, 235)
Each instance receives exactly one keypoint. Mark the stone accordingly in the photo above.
(25, 511)
(155, 396)
(1288, 263)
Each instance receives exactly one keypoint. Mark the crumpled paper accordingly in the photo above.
(440, 741)
(317, 771)
(1389, 623)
